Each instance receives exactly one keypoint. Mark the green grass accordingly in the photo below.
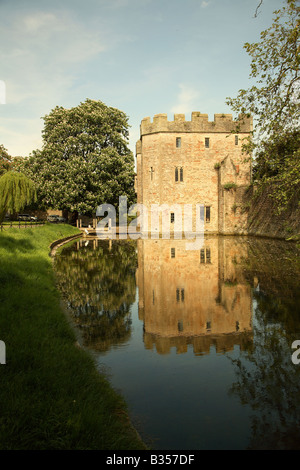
(27, 223)
(51, 395)
(229, 186)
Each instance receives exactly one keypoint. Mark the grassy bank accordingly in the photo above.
(51, 396)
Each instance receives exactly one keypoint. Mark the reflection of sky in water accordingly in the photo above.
(231, 399)
(180, 400)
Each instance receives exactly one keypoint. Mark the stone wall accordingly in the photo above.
(264, 221)
(208, 157)
(197, 297)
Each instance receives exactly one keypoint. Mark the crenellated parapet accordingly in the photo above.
(222, 123)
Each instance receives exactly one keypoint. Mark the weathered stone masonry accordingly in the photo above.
(190, 162)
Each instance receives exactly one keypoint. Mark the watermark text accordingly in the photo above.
(167, 221)
(2, 352)
(295, 358)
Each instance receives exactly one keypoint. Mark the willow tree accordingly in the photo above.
(273, 101)
(16, 192)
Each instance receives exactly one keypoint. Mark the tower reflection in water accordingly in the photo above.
(194, 297)
(186, 297)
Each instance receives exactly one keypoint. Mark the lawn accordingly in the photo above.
(51, 395)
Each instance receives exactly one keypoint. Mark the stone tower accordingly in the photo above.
(195, 162)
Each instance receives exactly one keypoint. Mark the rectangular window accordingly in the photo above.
(176, 174)
(236, 140)
(178, 142)
(179, 295)
(207, 142)
(151, 173)
(207, 214)
(180, 325)
(172, 252)
(208, 325)
(172, 217)
(205, 256)
(181, 174)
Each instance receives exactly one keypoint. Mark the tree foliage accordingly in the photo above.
(99, 286)
(274, 102)
(5, 160)
(16, 192)
(85, 160)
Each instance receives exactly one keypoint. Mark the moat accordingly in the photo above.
(199, 342)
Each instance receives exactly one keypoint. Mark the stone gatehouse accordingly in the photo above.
(195, 162)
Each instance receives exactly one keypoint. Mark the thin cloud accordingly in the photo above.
(48, 49)
(39, 20)
(205, 4)
(65, 38)
(186, 99)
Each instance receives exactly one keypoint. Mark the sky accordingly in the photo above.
(143, 57)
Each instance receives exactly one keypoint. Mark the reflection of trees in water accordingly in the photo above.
(267, 378)
(99, 287)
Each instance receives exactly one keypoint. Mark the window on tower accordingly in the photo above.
(207, 214)
(178, 174)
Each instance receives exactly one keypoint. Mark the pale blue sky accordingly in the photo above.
(142, 56)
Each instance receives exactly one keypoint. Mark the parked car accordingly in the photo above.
(52, 218)
(56, 219)
(61, 219)
(24, 217)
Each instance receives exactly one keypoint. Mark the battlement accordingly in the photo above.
(199, 123)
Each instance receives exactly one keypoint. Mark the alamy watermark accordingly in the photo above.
(295, 358)
(2, 92)
(166, 221)
(2, 353)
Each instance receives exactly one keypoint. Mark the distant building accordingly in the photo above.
(195, 162)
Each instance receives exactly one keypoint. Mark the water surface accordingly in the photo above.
(197, 341)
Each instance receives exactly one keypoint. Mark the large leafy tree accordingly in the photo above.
(85, 160)
(5, 160)
(274, 102)
(16, 192)
(99, 286)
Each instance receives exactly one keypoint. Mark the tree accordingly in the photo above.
(5, 160)
(274, 102)
(100, 287)
(16, 192)
(85, 160)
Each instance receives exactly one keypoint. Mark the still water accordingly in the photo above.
(199, 342)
